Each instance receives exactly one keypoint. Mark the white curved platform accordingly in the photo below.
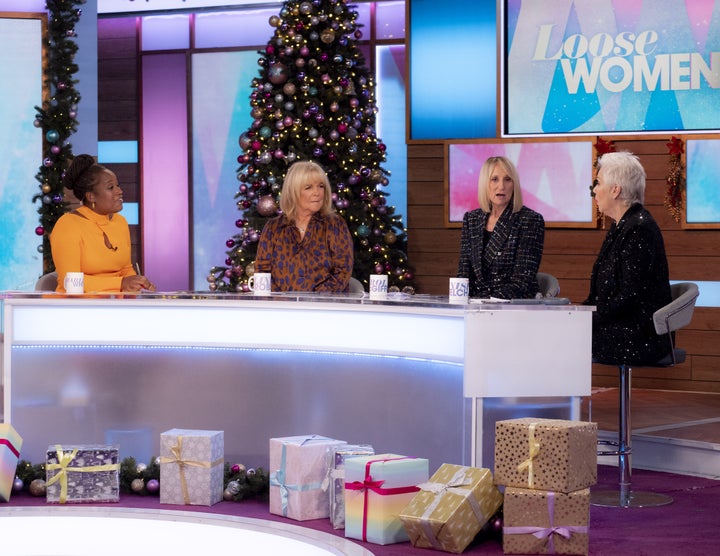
(83, 531)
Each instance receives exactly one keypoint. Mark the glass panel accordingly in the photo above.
(236, 28)
(390, 61)
(167, 32)
(390, 20)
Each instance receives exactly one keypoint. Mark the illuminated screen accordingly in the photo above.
(602, 66)
(703, 195)
(555, 178)
(453, 69)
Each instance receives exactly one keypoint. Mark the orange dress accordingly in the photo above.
(79, 244)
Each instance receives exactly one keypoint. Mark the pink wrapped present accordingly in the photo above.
(10, 445)
(298, 466)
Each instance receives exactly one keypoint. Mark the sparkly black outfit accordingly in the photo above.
(629, 283)
(502, 263)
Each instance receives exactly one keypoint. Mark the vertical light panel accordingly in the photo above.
(21, 145)
(166, 237)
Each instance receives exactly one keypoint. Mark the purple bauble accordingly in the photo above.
(266, 205)
(153, 486)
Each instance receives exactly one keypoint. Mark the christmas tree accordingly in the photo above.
(314, 100)
(57, 117)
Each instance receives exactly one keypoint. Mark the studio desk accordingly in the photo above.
(412, 375)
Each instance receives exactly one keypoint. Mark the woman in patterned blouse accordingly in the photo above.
(308, 247)
(502, 242)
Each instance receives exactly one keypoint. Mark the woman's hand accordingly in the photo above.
(136, 284)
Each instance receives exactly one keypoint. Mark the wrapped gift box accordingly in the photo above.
(298, 467)
(451, 508)
(545, 522)
(82, 473)
(546, 454)
(336, 478)
(191, 467)
(377, 489)
(10, 445)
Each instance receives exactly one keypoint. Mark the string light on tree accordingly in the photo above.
(314, 99)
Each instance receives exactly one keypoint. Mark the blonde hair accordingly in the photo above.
(484, 181)
(299, 175)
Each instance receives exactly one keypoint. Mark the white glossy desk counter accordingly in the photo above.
(411, 375)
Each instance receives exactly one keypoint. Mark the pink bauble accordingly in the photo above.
(266, 205)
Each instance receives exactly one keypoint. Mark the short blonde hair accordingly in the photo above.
(298, 175)
(484, 181)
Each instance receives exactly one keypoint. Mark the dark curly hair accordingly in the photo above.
(83, 175)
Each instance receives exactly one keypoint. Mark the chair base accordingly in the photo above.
(629, 499)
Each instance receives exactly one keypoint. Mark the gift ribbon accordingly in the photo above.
(176, 452)
(278, 478)
(368, 484)
(439, 489)
(64, 460)
(533, 451)
(13, 449)
(548, 533)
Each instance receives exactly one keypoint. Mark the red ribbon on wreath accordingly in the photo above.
(675, 178)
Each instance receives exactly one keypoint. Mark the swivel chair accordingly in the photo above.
(673, 316)
(47, 282)
(548, 285)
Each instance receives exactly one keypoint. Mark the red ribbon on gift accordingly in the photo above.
(13, 449)
(369, 484)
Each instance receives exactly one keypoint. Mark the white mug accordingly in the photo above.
(260, 283)
(378, 286)
(74, 282)
(459, 290)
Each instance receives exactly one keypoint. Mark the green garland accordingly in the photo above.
(57, 117)
(239, 483)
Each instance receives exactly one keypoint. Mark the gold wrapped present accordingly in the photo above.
(451, 508)
(546, 454)
(545, 522)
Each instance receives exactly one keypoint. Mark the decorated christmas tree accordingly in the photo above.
(57, 117)
(314, 99)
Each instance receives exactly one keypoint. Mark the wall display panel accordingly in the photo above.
(20, 34)
(220, 113)
(702, 194)
(453, 68)
(601, 66)
(555, 177)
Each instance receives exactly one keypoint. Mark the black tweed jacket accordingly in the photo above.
(506, 267)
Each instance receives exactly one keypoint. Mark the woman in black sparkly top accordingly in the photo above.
(630, 278)
(502, 241)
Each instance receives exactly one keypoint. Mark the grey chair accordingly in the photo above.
(47, 282)
(674, 316)
(356, 286)
(548, 285)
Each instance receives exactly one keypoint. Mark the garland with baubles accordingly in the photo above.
(57, 117)
(675, 178)
(239, 483)
(601, 147)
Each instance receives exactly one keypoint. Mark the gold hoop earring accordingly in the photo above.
(93, 205)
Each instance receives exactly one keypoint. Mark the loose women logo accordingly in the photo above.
(625, 61)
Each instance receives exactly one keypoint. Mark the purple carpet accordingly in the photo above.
(687, 527)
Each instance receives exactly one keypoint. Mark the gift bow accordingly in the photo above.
(369, 484)
(278, 478)
(439, 489)
(176, 452)
(64, 460)
(565, 531)
(533, 451)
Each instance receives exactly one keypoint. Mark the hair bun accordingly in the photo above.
(77, 167)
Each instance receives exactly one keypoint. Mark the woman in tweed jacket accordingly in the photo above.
(502, 241)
